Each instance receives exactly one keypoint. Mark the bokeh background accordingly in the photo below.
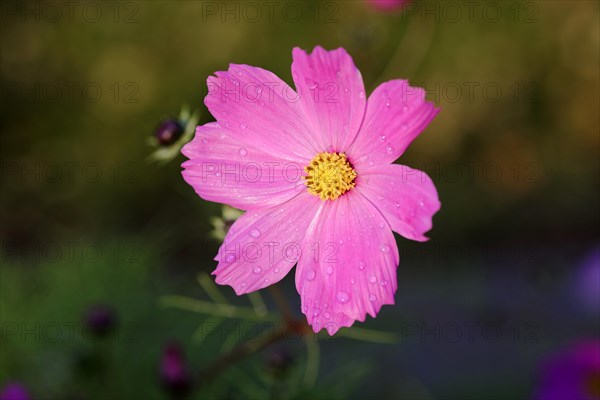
(104, 253)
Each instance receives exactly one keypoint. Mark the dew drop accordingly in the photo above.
(389, 149)
(361, 265)
(329, 270)
(310, 275)
(405, 108)
(276, 270)
(316, 312)
(384, 248)
(382, 138)
(244, 284)
(243, 152)
(256, 270)
(327, 315)
(361, 94)
(210, 168)
(204, 141)
(243, 125)
(325, 305)
(371, 163)
(397, 205)
(258, 89)
(421, 203)
(384, 283)
(266, 280)
(346, 90)
(343, 297)
(387, 103)
(236, 82)
(229, 258)
(373, 279)
(254, 233)
(352, 281)
(372, 297)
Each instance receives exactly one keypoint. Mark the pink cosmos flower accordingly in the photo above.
(313, 169)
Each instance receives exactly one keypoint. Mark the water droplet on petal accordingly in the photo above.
(361, 265)
(343, 297)
(329, 270)
(276, 270)
(382, 138)
(327, 315)
(421, 203)
(229, 258)
(352, 281)
(310, 275)
(384, 282)
(373, 279)
(204, 141)
(384, 248)
(243, 152)
(361, 94)
(397, 205)
(387, 103)
(256, 270)
(243, 125)
(372, 297)
(254, 233)
(389, 149)
(266, 280)
(405, 108)
(316, 312)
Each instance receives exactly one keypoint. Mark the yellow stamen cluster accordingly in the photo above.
(329, 175)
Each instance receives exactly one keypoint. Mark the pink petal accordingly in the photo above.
(258, 108)
(348, 265)
(263, 245)
(332, 95)
(396, 114)
(406, 197)
(224, 170)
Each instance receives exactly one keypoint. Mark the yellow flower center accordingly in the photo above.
(329, 175)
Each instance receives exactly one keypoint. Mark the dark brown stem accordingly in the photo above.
(290, 329)
(282, 303)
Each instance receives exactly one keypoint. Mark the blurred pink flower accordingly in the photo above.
(571, 374)
(387, 5)
(335, 216)
(14, 391)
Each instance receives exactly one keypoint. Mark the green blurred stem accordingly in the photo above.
(282, 303)
(312, 361)
(218, 309)
(407, 45)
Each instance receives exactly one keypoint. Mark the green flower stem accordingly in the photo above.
(217, 310)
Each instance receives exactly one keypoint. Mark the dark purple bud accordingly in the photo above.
(14, 391)
(168, 132)
(174, 371)
(100, 319)
(279, 361)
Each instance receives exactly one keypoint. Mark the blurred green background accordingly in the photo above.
(87, 220)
